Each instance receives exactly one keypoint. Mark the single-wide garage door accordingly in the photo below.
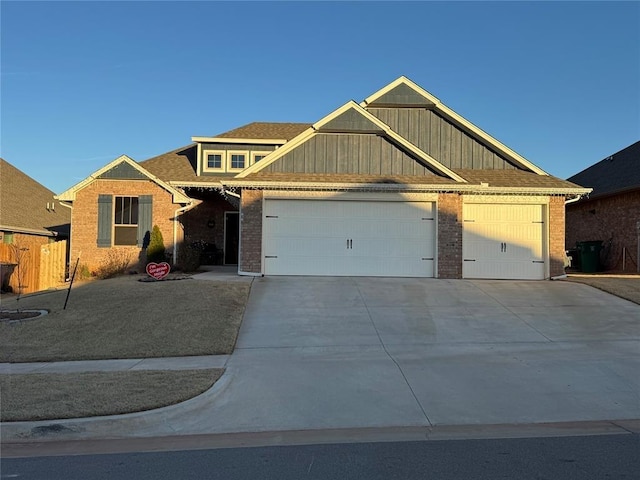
(503, 241)
(348, 238)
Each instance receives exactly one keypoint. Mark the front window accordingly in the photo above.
(257, 156)
(125, 221)
(238, 160)
(214, 160)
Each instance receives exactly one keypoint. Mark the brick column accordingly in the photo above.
(251, 231)
(449, 235)
(556, 236)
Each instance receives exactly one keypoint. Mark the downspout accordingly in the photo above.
(178, 212)
(567, 202)
(573, 200)
(240, 272)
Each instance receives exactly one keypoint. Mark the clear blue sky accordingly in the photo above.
(84, 82)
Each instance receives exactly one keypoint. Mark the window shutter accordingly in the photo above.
(145, 218)
(105, 221)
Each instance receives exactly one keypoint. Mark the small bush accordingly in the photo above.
(83, 272)
(155, 250)
(189, 257)
(116, 263)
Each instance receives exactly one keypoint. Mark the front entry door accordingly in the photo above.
(231, 229)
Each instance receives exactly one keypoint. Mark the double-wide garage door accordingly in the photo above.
(349, 238)
(503, 241)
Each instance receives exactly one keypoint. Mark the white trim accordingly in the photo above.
(459, 120)
(257, 141)
(231, 153)
(205, 160)
(70, 194)
(401, 187)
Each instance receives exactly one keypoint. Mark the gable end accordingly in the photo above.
(350, 121)
(123, 171)
(402, 96)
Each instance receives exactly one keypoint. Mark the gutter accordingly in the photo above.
(399, 187)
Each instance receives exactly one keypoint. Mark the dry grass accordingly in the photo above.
(623, 286)
(125, 318)
(59, 396)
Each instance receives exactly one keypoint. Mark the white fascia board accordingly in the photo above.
(70, 194)
(257, 141)
(459, 120)
(466, 188)
(277, 153)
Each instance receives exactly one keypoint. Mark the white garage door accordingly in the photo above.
(350, 238)
(503, 241)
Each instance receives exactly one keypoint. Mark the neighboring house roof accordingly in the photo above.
(123, 167)
(615, 174)
(26, 206)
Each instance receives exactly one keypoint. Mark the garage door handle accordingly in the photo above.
(349, 244)
(537, 261)
(469, 259)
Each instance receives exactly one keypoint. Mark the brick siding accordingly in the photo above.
(251, 231)
(449, 235)
(84, 220)
(610, 218)
(556, 236)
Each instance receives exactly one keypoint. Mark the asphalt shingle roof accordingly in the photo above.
(616, 173)
(263, 130)
(23, 204)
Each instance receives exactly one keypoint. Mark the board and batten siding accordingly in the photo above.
(439, 138)
(365, 154)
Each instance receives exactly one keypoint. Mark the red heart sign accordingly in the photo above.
(158, 270)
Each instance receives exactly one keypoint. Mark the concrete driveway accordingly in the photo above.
(338, 353)
(327, 352)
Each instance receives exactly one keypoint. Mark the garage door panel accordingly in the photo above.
(503, 241)
(354, 238)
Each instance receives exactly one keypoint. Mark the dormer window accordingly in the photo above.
(238, 160)
(213, 160)
(257, 156)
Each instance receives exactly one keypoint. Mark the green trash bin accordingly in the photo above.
(590, 255)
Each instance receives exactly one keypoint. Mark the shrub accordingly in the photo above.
(155, 250)
(189, 257)
(116, 263)
(83, 273)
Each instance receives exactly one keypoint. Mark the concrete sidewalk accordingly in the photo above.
(368, 353)
(166, 363)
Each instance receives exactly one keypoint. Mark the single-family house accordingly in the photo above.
(396, 185)
(611, 213)
(30, 218)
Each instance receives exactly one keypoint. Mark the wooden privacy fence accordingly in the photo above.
(37, 268)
